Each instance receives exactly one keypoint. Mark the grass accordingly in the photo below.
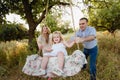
(13, 55)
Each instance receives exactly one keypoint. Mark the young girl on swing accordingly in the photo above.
(58, 50)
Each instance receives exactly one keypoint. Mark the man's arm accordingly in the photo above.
(86, 39)
(89, 38)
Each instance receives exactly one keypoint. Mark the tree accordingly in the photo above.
(104, 14)
(33, 11)
(3, 11)
(12, 32)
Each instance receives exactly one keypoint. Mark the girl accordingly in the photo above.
(58, 50)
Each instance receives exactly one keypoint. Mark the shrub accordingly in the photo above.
(10, 32)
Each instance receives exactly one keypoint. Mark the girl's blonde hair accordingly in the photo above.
(60, 35)
(47, 34)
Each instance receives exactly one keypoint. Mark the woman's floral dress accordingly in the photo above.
(73, 64)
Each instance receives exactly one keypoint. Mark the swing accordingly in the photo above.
(73, 63)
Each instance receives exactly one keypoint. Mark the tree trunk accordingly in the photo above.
(32, 25)
(32, 40)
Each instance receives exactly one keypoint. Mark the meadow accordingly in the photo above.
(13, 55)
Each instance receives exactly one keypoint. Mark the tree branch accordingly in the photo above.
(28, 12)
(63, 4)
(103, 27)
(50, 6)
(43, 15)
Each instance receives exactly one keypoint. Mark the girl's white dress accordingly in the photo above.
(59, 47)
(73, 64)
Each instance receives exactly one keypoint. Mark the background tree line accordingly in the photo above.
(103, 14)
(10, 32)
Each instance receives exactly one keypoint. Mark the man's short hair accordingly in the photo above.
(84, 19)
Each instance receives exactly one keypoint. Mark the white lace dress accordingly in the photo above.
(60, 47)
(73, 64)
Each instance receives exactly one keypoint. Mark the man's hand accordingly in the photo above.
(79, 40)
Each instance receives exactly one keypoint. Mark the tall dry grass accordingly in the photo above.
(14, 53)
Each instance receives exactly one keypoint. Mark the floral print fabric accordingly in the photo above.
(73, 64)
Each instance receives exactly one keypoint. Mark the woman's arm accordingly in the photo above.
(40, 46)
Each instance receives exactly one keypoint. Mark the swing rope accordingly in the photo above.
(73, 22)
(72, 17)
(47, 5)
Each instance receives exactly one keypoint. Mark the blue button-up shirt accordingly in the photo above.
(89, 31)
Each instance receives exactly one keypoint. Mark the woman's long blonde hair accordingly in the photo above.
(46, 36)
(59, 33)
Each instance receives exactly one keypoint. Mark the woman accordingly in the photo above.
(33, 62)
(44, 40)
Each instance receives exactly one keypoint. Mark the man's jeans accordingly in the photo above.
(93, 56)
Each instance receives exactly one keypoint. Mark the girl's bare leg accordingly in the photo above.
(59, 71)
(44, 62)
(60, 60)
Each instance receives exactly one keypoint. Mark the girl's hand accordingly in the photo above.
(40, 46)
(49, 49)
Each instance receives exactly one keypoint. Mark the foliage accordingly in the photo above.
(65, 27)
(12, 32)
(4, 9)
(54, 23)
(104, 14)
(11, 53)
(51, 21)
(2, 71)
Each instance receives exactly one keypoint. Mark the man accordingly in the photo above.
(87, 36)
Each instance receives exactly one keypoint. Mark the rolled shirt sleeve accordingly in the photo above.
(89, 31)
